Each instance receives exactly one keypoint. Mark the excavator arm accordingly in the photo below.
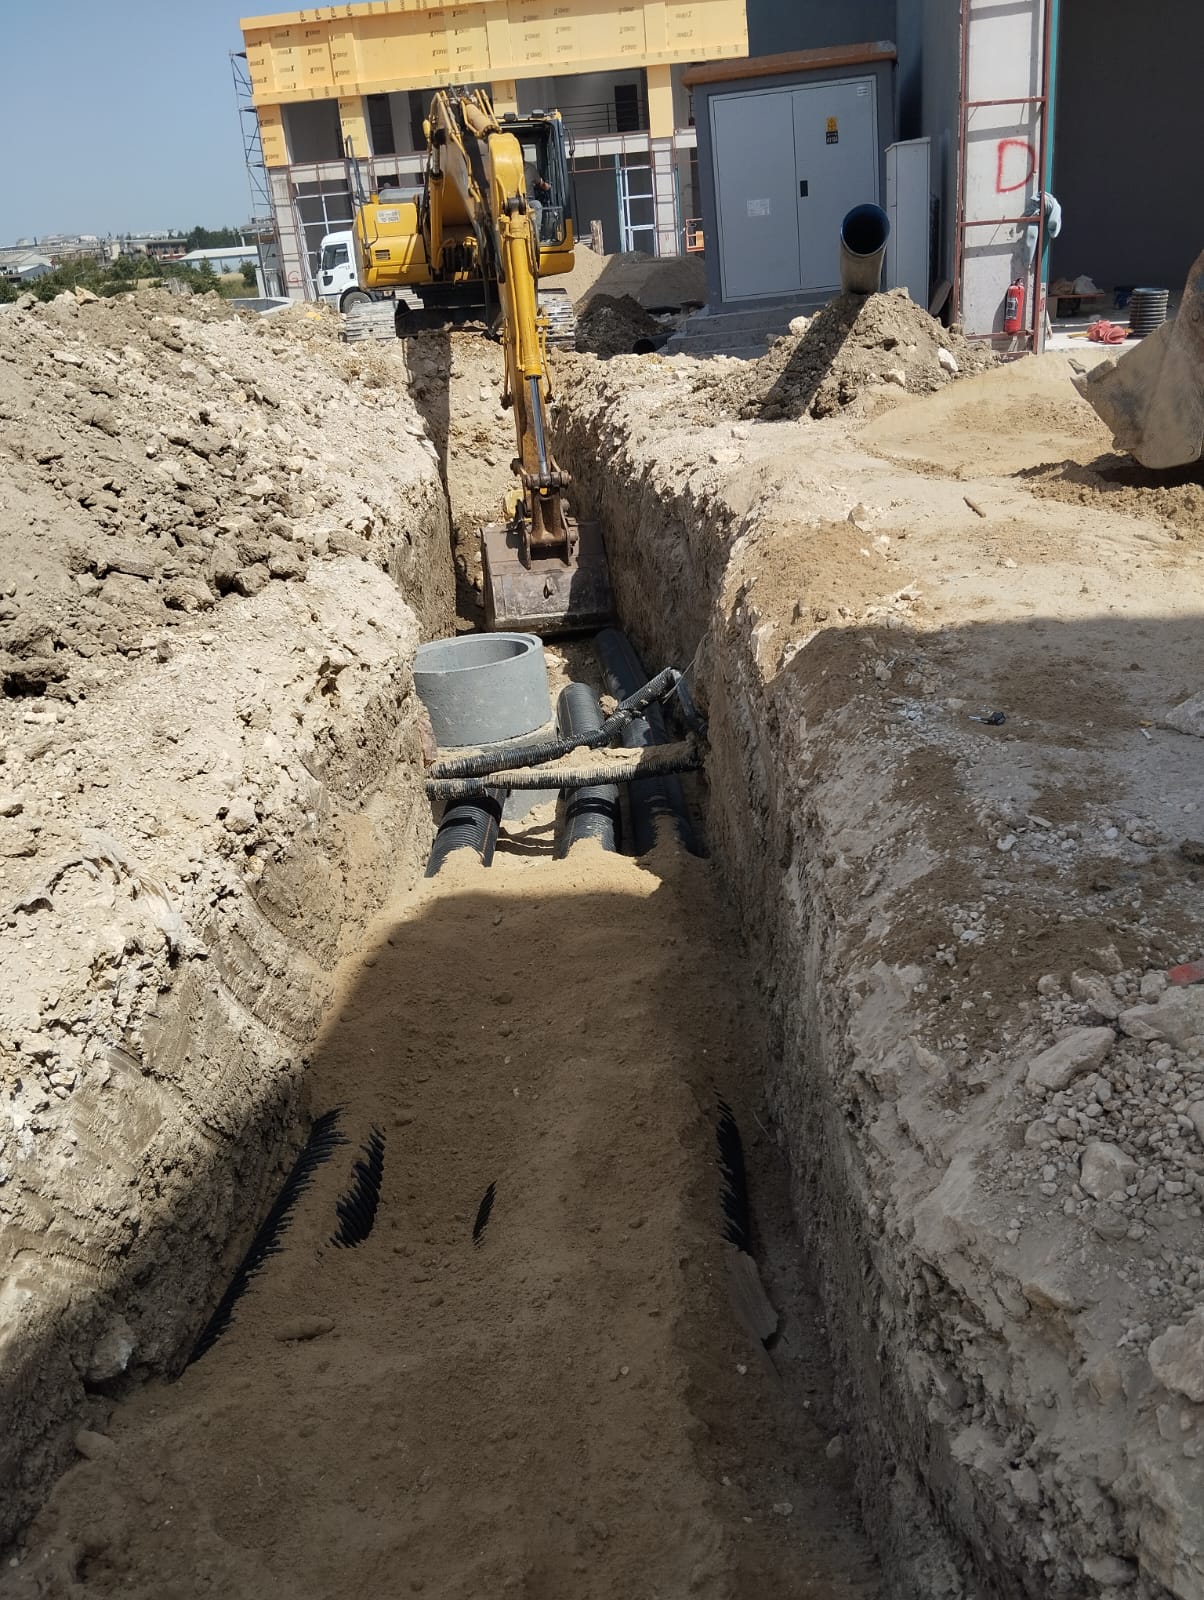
(543, 571)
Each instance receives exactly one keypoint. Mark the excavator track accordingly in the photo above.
(562, 319)
(378, 320)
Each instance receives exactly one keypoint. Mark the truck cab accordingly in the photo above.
(337, 276)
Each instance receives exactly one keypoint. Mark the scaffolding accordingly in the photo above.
(263, 214)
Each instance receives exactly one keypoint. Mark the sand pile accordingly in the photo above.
(656, 282)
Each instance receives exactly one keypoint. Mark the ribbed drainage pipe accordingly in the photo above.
(590, 813)
(1147, 311)
(651, 799)
(468, 825)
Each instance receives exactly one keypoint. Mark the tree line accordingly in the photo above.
(109, 278)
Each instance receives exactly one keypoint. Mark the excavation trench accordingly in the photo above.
(510, 1327)
(483, 1304)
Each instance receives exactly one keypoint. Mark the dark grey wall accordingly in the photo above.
(313, 131)
(929, 43)
(597, 197)
(1129, 141)
(776, 25)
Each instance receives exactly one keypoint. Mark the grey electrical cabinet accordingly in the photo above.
(909, 207)
(789, 162)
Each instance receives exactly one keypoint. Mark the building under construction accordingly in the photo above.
(334, 86)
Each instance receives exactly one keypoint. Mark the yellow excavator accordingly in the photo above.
(493, 217)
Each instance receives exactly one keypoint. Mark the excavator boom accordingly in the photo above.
(494, 209)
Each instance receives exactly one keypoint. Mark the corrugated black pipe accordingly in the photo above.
(651, 798)
(468, 825)
(591, 813)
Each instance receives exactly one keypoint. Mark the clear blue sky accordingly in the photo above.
(119, 115)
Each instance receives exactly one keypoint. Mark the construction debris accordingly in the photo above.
(611, 326)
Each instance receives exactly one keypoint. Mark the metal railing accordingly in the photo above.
(594, 121)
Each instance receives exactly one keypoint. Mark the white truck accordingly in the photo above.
(337, 278)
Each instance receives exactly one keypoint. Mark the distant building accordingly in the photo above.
(158, 246)
(62, 247)
(226, 258)
(23, 265)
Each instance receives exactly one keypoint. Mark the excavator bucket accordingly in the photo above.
(1152, 397)
(551, 596)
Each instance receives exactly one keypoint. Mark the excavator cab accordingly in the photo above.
(546, 168)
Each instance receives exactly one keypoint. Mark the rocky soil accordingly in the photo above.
(857, 351)
(990, 1078)
(613, 325)
(221, 538)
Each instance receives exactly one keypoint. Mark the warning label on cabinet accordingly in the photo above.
(833, 134)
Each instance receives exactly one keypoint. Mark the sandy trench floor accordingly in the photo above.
(569, 1407)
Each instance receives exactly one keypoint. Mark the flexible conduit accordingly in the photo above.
(648, 764)
(653, 797)
(591, 812)
(516, 753)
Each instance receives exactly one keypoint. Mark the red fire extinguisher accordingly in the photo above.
(1013, 308)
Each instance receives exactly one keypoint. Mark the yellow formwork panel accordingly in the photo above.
(271, 134)
(336, 52)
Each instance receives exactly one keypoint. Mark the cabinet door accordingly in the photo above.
(836, 168)
(753, 139)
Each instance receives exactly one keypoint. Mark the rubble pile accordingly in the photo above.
(613, 325)
(856, 343)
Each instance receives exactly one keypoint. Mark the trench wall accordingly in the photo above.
(990, 1430)
(194, 947)
(669, 550)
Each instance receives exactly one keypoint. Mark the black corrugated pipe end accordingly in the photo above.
(590, 813)
(863, 236)
(468, 825)
(651, 799)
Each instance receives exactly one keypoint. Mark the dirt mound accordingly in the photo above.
(654, 282)
(614, 325)
(1113, 482)
(210, 527)
(1020, 415)
(161, 455)
(853, 344)
(588, 267)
